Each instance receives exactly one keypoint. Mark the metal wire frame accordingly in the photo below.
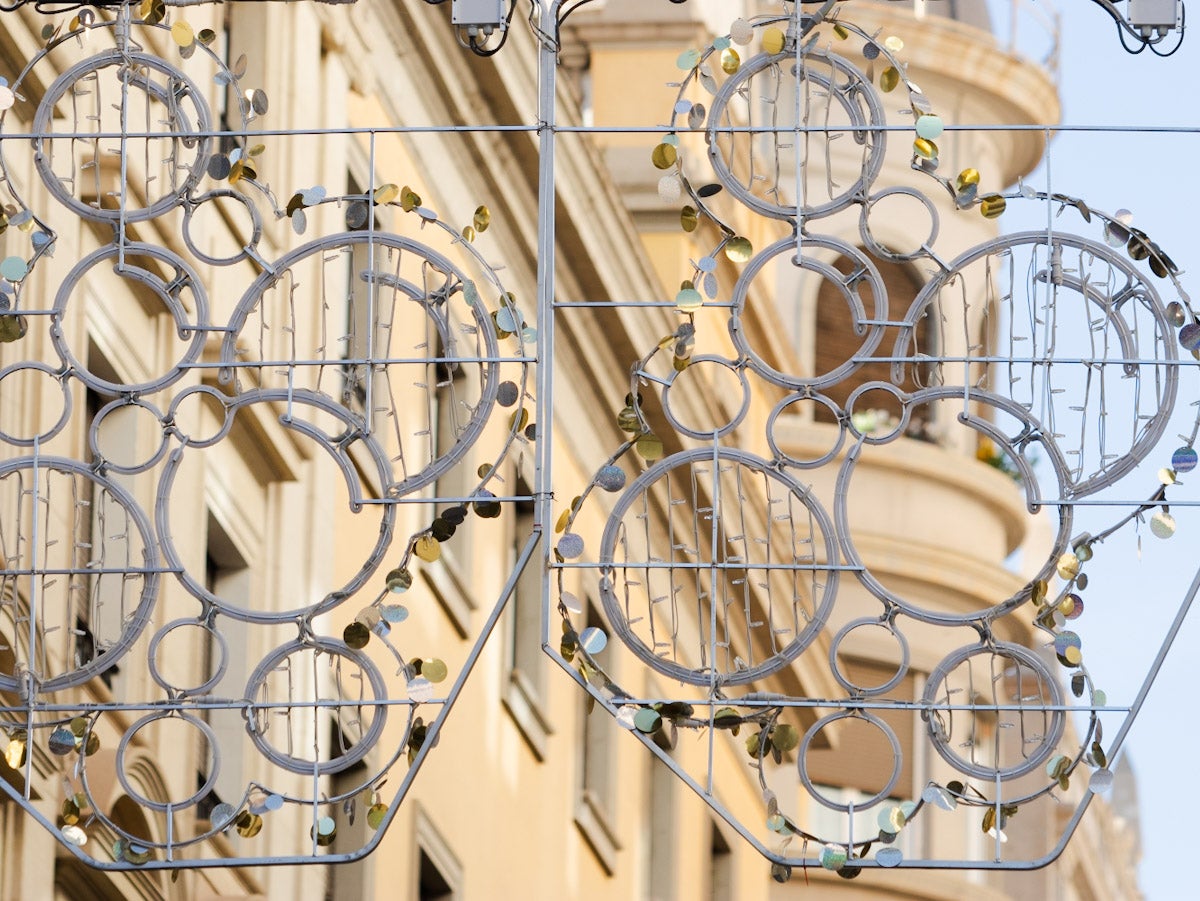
(548, 307)
(289, 387)
(446, 705)
(999, 863)
(1074, 484)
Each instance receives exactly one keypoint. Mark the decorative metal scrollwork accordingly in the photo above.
(383, 356)
(782, 619)
(785, 613)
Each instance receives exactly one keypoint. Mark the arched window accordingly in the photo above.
(836, 340)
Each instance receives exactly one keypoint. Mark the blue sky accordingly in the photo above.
(1133, 597)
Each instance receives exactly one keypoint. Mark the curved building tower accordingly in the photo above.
(850, 345)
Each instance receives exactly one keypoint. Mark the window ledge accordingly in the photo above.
(593, 822)
(451, 592)
(524, 705)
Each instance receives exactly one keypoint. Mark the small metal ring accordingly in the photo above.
(721, 430)
(787, 459)
(897, 759)
(226, 424)
(850, 292)
(205, 686)
(877, 248)
(845, 681)
(888, 388)
(1023, 657)
(192, 333)
(854, 87)
(362, 747)
(173, 806)
(54, 430)
(94, 435)
(256, 228)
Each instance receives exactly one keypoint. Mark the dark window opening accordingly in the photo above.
(432, 885)
(720, 864)
(837, 342)
(204, 807)
(525, 652)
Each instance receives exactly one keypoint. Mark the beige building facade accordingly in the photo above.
(212, 368)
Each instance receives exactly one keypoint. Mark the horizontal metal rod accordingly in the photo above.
(724, 564)
(184, 704)
(177, 134)
(172, 134)
(390, 501)
(88, 571)
(1036, 361)
(870, 704)
(203, 703)
(852, 129)
(642, 304)
(351, 361)
(1100, 502)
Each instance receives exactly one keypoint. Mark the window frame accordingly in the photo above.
(595, 812)
(429, 842)
(525, 691)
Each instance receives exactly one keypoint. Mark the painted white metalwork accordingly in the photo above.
(717, 568)
(388, 354)
(1054, 352)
